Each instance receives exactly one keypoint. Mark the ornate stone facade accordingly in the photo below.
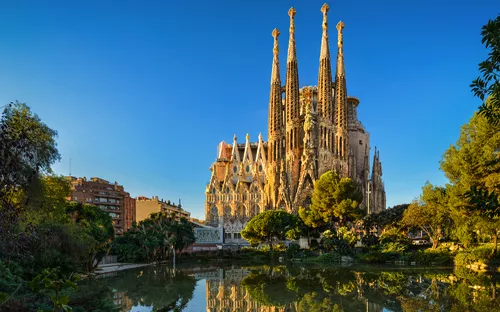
(311, 130)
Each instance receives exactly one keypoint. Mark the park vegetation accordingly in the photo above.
(462, 216)
(47, 244)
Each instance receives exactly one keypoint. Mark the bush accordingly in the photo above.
(370, 240)
(292, 250)
(479, 254)
(375, 256)
(392, 240)
(330, 257)
(430, 257)
(393, 247)
(483, 252)
(465, 258)
(279, 247)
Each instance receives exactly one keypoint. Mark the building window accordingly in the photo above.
(103, 200)
(227, 235)
(237, 235)
(88, 199)
(75, 198)
(360, 142)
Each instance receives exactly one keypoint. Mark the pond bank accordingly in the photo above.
(115, 267)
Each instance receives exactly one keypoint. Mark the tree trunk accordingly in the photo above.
(435, 243)
(494, 290)
(494, 251)
(271, 244)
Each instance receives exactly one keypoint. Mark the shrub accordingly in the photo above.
(465, 258)
(292, 250)
(348, 236)
(370, 240)
(375, 256)
(482, 252)
(430, 257)
(330, 257)
(393, 247)
(279, 247)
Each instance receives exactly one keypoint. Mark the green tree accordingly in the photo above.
(334, 199)
(430, 213)
(472, 165)
(270, 225)
(487, 87)
(47, 199)
(98, 228)
(154, 239)
(388, 218)
(27, 149)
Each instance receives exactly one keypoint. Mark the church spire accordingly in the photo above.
(341, 138)
(275, 105)
(292, 88)
(325, 96)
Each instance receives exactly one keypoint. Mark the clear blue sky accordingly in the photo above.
(141, 92)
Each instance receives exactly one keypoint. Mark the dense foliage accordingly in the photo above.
(156, 238)
(271, 225)
(488, 85)
(44, 240)
(334, 200)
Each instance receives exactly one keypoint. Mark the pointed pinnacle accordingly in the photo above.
(276, 34)
(325, 8)
(292, 13)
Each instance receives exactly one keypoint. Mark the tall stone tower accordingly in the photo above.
(275, 149)
(293, 123)
(325, 102)
(341, 127)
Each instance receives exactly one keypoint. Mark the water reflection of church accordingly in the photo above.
(224, 292)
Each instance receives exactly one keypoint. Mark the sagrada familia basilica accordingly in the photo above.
(311, 130)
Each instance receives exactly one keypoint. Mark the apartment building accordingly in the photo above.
(146, 206)
(110, 197)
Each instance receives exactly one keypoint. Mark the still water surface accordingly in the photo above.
(303, 288)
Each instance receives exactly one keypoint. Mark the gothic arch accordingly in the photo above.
(214, 215)
(227, 211)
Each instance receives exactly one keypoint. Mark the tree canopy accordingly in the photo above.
(473, 167)
(487, 86)
(154, 239)
(430, 212)
(270, 225)
(334, 199)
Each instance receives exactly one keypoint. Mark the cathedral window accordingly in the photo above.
(360, 142)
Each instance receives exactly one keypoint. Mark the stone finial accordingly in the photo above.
(247, 137)
(276, 34)
(260, 136)
(340, 27)
(292, 13)
(325, 8)
(235, 138)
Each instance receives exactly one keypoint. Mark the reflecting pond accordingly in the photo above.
(303, 288)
